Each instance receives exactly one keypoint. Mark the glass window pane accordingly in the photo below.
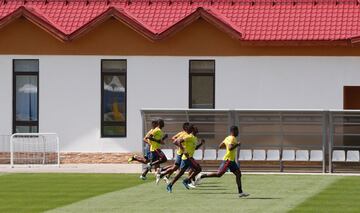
(114, 130)
(114, 66)
(202, 92)
(202, 66)
(24, 65)
(114, 98)
(26, 98)
(26, 129)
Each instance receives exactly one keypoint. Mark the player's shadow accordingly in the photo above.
(212, 186)
(232, 193)
(211, 189)
(219, 193)
(262, 198)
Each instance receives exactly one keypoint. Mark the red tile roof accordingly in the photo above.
(248, 20)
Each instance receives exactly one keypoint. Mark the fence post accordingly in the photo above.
(325, 126)
(58, 149)
(233, 121)
(331, 139)
(11, 151)
(281, 142)
(144, 127)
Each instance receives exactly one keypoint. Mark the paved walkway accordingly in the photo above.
(116, 168)
(74, 168)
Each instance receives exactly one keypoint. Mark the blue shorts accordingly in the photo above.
(228, 165)
(157, 155)
(189, 163)
(178, 160)
(147, 153)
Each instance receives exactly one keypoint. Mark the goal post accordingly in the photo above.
(34, 149)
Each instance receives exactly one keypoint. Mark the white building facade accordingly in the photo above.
(70, 91)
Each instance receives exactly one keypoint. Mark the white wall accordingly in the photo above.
(5, 95)
(70, 99)
(285, 82)
(70, 91)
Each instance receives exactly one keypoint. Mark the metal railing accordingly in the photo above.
(344, 136)
(303, 131)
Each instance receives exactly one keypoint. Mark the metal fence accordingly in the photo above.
(344, 140)
(304, 140)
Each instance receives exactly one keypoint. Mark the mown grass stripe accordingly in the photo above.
(41, 192)
(341, 196)
(269, 193)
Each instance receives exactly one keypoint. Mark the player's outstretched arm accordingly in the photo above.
(200, 144)
(221, 145)
(151, 137)
(233, 146)
(175, 137)
(146, 140)
(164, 138)
(178, 143)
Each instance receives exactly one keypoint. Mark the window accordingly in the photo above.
(202, 84)
(25, 96)
(113, 98)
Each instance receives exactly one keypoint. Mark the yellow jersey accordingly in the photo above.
(157, 134)
(230, 154)
(181, 135)
(189, 145)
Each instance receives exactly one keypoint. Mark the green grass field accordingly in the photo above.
(126, 193)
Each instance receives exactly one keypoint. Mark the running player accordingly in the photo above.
(231, 144)
(147, 153)
(166, 172)
(188, 146)
(156, 138)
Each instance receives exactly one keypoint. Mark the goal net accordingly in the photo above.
(34, 149)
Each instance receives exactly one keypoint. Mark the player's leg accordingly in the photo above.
(222, 169)
(183, 167)
(157, 169)
(138, 159)
(191, 172)
(161, 158)
(153, 157)
(167, 173)
(195, 170)
(165, 168)
(234, 168)
(237, 173)
(145, 159)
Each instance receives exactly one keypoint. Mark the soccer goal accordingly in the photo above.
(33, 149)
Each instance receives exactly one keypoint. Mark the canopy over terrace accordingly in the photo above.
(304, 140)
(335, 22)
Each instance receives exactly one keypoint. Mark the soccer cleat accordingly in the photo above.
(142, 177)
(243, 194)
(169, 188)
(166, 180)
(185, 183)
(157, 178)
(191, 185)
(148, 166)
(131, 159)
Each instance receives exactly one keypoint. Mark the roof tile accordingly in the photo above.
(265, 20)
